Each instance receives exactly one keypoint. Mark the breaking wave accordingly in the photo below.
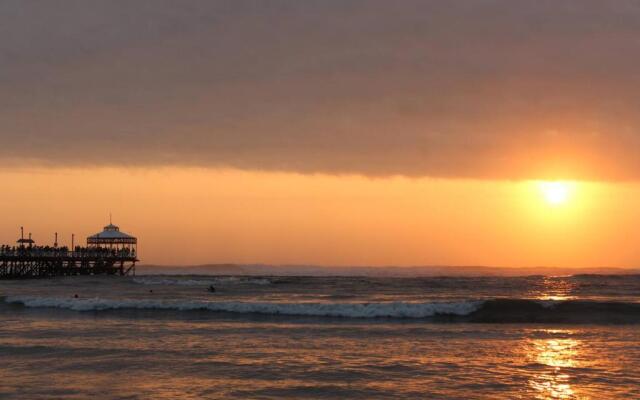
(346, 310)
(222, 280)
(488, 311)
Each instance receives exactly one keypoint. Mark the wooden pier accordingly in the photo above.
(24, 266)
(109, 252)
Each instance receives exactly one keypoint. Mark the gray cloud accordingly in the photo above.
(489, 89)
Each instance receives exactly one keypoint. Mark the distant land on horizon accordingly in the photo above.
(390, 271)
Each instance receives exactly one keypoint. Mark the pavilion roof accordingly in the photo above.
(111, 233)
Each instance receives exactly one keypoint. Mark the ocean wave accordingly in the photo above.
(345, 310)
(557, 311)
(222, 280)
(481, 311)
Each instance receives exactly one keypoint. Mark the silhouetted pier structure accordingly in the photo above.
(110, 252)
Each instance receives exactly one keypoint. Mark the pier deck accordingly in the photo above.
(25, 266)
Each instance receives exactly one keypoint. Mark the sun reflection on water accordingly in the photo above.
(558, 356)
(555, 288)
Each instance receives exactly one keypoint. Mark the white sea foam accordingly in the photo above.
(549, 303)
(346, 310)
(222, 280)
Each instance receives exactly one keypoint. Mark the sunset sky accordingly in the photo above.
(503, 133)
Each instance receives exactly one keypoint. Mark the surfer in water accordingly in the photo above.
(211, 289)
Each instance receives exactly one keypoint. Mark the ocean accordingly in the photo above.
(270, 337)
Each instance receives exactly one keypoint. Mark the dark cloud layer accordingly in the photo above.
(489, 89)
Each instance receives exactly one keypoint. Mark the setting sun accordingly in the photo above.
(556, 193)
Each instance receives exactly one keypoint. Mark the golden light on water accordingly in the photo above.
(555, 290)
(559, 356)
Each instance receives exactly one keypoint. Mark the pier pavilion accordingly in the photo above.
(112, 238)
(110, 252)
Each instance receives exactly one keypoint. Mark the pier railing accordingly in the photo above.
(19, 252)
(18, 262)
